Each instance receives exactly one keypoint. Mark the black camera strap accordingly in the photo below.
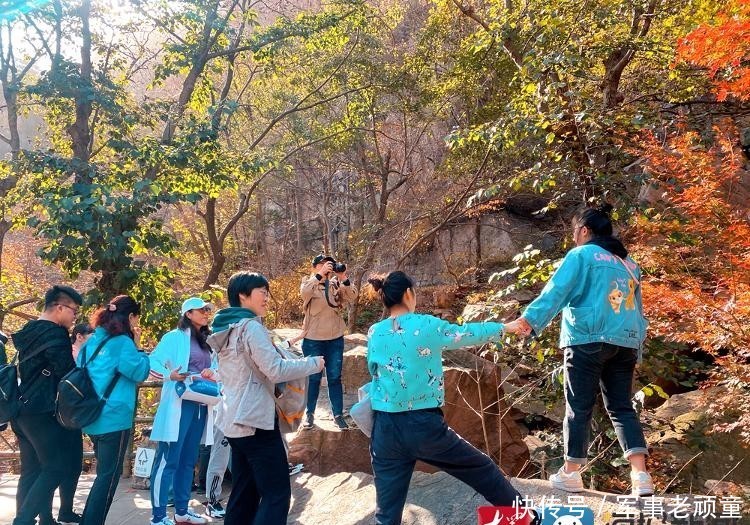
(326, 284)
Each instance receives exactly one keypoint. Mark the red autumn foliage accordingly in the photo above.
(697, 242)
(723, 49)
(695, 246)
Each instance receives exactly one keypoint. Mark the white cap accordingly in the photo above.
(194, 303)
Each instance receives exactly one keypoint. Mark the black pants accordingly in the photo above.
(73, 451)
(109, 450)
(261, 491)
(43, 465)
(69, 483)
(399, 439)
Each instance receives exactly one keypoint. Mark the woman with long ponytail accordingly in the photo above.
(598, 289)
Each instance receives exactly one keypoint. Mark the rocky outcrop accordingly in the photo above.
(325, 451)
(476, 409)
(433, 499)
(684, 438)
(354, 372)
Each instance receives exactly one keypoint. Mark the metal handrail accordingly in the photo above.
(127, 467)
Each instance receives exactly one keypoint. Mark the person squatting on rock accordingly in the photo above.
(180, 425)
(598, 289)
(324, 295)
(404, 357)
(118, 333)
(251, 369)
(51, 455)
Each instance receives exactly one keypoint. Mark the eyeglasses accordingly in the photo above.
(205, 310)
(75, 310)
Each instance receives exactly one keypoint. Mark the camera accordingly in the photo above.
(339, 267)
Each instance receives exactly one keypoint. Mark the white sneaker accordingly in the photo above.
(643, 485)
(567, 481)
(189, 517)
(164, 521)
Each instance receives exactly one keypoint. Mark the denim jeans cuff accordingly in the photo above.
(580, 461)
(635, 450)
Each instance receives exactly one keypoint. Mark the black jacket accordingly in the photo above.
(41, 373)
(3, 353)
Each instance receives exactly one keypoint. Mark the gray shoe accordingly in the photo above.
(339, 420)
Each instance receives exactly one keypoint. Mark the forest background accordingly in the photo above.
(154, 147)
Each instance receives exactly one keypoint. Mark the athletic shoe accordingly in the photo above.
(69, 518)
(295, 469)
(215, 509)
(567, 481)
(164, 521)
(189, 517)
(339, 420)
(643, 485)
(309, 421)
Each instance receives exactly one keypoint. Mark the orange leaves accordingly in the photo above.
(695, 242)
(723, 49)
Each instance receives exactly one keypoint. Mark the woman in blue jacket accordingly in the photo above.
(597, 287)
(118, 333)
(180, 425)
(404, 357)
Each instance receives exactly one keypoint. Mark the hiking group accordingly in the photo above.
(223, 378)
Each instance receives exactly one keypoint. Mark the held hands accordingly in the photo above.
(520, 327)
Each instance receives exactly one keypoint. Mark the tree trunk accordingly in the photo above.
(80, 131)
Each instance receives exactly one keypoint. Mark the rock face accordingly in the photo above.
(722, 457)
(354, 373)
(325, 451)
(474, 407)
(433, 499)
(473, 386)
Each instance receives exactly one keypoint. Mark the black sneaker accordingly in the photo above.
(215, 509)
(69, 518)
(309, 421)
(339, 420)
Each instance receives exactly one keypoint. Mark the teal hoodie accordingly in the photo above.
(228, 316)
(404, 356)
(599, 296)
(119, 354)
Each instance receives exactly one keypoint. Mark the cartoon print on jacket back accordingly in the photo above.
(615, 297)
(630, 299)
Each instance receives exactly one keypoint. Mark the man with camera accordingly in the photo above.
(325, 293)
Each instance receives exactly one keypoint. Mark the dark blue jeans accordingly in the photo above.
(333, 353)
(399, 439)
(588, 368)
(110, 450)
(261, 490)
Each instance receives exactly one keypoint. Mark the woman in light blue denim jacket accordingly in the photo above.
(597, 287)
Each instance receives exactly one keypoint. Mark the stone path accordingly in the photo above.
(338, 499)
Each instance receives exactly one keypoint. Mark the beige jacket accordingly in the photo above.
(247, 403)
(323, 322)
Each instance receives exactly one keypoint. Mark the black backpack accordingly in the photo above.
(10, 397)
(77, 403)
